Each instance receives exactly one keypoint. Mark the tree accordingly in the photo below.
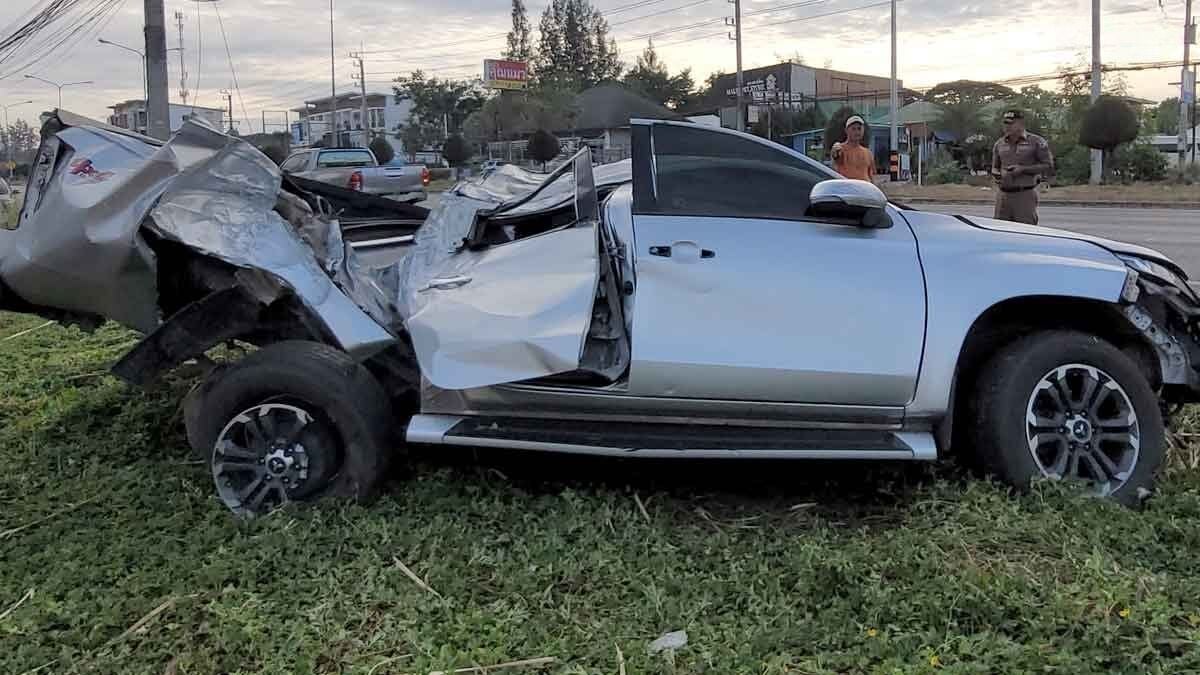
(1139, 162)
(1043, 110)
(835, 128)
(1166, 116)
(455, 150)
(1109, 122)
(417, 135)
(276, 153)
(968, 91)
(24, 141)
(574, 48)
(382, 150)
(441, 102)
(519, 47)
(543, 147)
(651, 79)
(963, 114)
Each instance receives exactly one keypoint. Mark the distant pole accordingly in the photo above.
(229, 106)
(183, 76)
(1186, 81)
(158, 94)
(1097, 155)
(332, 83)
(737, 28)
(362, 83)
(894, 147)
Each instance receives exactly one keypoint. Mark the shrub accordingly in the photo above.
(455, 150)
(944, 171)
(1139, 162)
(384, 152)
(543, 146)
(1073, 167)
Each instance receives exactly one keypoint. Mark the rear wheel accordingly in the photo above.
(295, 421)
(1068, 406)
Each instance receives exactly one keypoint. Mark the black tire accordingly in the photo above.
(327, 384)
(998, 406)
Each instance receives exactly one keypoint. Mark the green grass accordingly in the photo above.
(770, 568)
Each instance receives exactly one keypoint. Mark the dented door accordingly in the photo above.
(513, 311)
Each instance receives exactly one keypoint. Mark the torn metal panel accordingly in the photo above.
(486, 319)
(508, 186)
(224, 206)
(77, 246)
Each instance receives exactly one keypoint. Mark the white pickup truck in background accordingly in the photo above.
(357, 169)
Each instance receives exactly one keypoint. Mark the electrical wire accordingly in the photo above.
(60, 25)
(233, 71)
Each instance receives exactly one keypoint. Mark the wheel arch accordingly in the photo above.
(1011, 318)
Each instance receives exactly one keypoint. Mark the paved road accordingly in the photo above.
(1175, 232)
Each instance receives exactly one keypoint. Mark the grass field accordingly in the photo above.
(116, 558)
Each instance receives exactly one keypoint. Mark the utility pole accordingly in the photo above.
(894, 147)
(737, 37)
(229, 106)
(183, 76)
(361, 76)
(1186, 83)
(1097, 155)
(157, 103)
(332, 83)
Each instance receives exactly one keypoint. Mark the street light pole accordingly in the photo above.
(8, 137)
(141, 55)
(894, 143)
(332, 83)
(57, 85)
(1097, 155)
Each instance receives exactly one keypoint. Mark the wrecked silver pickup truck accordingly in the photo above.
(716, 295)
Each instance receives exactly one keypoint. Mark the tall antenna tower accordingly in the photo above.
(183, 76)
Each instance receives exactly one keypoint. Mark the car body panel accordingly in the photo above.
(492, 321)
(81, 245)
(789, 320)
(970, 269)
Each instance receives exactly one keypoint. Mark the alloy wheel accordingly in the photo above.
(1081, 425)
(269, 455)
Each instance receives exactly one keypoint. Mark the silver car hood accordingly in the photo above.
(1116, 247)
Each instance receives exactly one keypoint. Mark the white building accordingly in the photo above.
(1168, 145)
(384, 117)
(132, 115)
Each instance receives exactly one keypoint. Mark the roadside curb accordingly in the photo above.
(1062, 202)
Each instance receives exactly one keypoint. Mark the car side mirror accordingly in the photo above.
(849, 202)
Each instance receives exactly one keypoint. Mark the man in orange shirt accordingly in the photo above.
(851, 158)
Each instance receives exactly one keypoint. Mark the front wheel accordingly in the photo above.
(295, 421)
(1068, 406)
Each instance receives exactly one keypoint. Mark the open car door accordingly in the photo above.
(517, 308)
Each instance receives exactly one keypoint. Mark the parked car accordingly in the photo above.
(357, 169)
(717, 295)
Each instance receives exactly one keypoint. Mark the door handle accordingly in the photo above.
(666, 251)
(446, 283)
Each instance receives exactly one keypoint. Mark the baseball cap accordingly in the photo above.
(1014, 114)
(855, 119)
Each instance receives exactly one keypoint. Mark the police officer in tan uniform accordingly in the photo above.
(1019, 161)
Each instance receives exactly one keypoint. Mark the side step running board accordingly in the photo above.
(668, 440)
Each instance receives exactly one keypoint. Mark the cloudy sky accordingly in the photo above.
(280, 48)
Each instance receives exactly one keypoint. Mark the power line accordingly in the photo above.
(658, 13)
(232, 70)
